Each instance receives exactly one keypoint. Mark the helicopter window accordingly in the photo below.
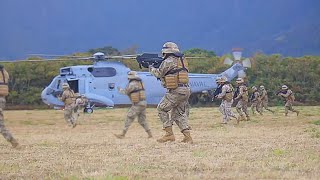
(111, 86)
(102, 71)
(65, 71)
(58, 84)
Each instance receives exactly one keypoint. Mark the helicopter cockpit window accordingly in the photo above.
(102, 71)
(58, 84)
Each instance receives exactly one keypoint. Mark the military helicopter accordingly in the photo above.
(98, 82)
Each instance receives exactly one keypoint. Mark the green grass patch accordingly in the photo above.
(278, 152)
(316, 122)
(199, 153)
(116, 178)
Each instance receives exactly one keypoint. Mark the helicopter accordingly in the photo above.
(98, 82)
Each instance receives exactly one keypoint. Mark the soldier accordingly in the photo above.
(135, 91)
(264, 99)
(219, 87)
(287, 94)
(68, 98)
(242, 96)
(4, 91)
(255, 100)
(226, 95)
(173, 74)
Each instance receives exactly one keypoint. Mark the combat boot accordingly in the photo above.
(248, 118)
(149, 134)
(15, 144)
(297, 112)
(238, 119)
(122, 135)
(169, 136)
(187, 137)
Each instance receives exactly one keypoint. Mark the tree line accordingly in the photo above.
(301, 74)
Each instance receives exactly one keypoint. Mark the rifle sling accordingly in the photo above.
(137, 90)
(174, 71)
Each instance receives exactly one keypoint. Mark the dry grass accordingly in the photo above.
(268, 147)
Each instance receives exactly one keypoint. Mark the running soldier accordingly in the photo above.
(173, 73)
(68, 98)
(242, 96)
(288, 95)
(4, 91)
(264, 99)
(226, 95)
(135, 91)
(255, 100)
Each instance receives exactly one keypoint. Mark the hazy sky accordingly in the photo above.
(66, 26)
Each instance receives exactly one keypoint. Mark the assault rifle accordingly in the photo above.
(280, 91)
(147, 59)
(236, 93)
(217, 91)
(252, 97)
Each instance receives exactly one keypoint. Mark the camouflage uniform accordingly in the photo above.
(242, 97)
(68, 98)
(255, 101)
(226, 103)
(175, 100)
(264, 99)
(4, 77)
(137, 109)
(289, 99)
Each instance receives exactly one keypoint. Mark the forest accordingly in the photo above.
(301, 74)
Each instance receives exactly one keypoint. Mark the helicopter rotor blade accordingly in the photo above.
(246, 63)
(38, 60)
(228, 61)
(55, 55)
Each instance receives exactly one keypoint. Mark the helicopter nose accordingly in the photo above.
(44, 96)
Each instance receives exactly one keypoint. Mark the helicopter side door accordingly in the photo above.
(104, 82)
(74, 85)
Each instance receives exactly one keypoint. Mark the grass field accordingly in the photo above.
(267, 147)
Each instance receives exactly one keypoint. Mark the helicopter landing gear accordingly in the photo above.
(88, 109)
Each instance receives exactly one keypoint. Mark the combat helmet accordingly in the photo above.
(133, 75)
(65, 86)
(170, 47)
(218, 80)
(261, 87)
(284, 87)
(240, 81)
(254, 88)
(223, 79)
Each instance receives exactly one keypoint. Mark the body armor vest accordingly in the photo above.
(245, 94)
(229, 94)
(70, 99)
(177, 76)
(4, 78)
(138, 94)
